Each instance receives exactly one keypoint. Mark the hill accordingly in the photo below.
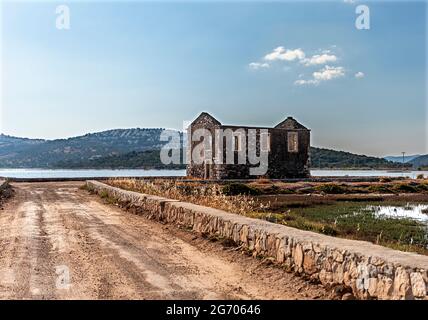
(420, 162)
(136, 148)
(327, 158)
(400, 158)
(11, 145)
(132, 160)
(36, 153)
(324, 158)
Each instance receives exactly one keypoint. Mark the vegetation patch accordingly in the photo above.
(353, 220)
(332, 188)
(6, 192)
(403, 187)
(234, 189)
(341, 210)
(210, 195)
(380, 188)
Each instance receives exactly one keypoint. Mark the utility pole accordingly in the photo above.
(403, 159)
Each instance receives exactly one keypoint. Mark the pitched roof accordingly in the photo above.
(290, 123)
(207, 117)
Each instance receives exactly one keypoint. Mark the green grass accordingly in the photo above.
(352, 220)
(388, 187)
(344, 217)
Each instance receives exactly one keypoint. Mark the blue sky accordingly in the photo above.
(143, 64)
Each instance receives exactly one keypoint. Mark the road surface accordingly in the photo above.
(59, 242)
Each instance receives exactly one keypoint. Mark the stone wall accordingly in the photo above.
(3, 184)
(283, 164)
(371, 271)
(5, 190)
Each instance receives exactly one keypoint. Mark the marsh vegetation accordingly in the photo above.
(391, 213)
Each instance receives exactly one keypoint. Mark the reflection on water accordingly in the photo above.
(413, 211)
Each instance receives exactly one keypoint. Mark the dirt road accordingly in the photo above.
(59, 242)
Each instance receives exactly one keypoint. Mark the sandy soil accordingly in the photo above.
(59, 242)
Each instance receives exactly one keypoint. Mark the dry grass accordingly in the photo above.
(210, 195)
(293, 207)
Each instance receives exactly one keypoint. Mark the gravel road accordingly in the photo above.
(59, 242)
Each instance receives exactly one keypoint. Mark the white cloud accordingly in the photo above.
(359, 75)
(324, 74)
(319, 59)
(301, 82)
(281, 53)
(328, 73)
(258, 65)
(349, 1)
(323, 57)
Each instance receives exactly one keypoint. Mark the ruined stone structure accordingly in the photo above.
(287, 148)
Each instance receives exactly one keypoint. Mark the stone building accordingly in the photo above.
(286, 147)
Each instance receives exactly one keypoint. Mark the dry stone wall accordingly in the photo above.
(371, 271)
(3, 184)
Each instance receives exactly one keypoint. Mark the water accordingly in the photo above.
(87, 173)
(411, 211)
(68, 173)
(367, 173)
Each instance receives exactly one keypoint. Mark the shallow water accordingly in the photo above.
(411, 211)
(82, 173)
(367, 173)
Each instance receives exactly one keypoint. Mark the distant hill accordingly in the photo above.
(12, 145)
(400, 158)
(136, 148)
(327, 158)
(149, 159)
(36, 153)
(420, 162)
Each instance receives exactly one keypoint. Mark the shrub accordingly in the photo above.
(385, 179)
(420, 176)
(332, 188)
(377, 188)
(234, 189)
(286, 191)
(422, 187)
(210, 195)
(328, 230)
(403, 187)
(273, 189)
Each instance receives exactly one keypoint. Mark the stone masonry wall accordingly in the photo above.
(3, 184)
(371, 271)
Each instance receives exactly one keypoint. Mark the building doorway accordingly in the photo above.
(207, 174)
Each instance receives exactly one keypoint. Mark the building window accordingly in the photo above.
(207, 154)
(237, 142)
(293, 142)
(265, 142)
